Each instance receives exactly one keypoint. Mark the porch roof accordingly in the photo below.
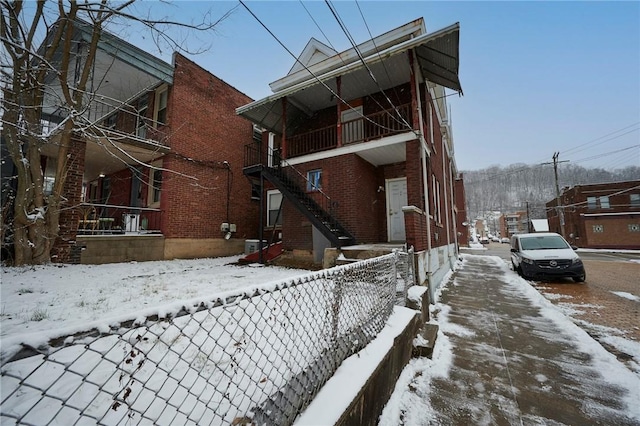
(437, 56)
(120, 72)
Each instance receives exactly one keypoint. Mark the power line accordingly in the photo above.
(604, 136)
(355, 48)
(344, 63)
(312, 73)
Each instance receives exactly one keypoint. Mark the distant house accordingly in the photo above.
(514, 223)
(359, 160)
(157, 175)
(601, 215)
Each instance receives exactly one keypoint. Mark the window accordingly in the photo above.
(255, 190)
(604, 202)
(155, 184)
(111, 121)
(435, 189)
(141, 129)
(634, 200)
(48, 185)
(274, 200)
(156, 181)
(591, 203)
(314, 180)
(161, 105)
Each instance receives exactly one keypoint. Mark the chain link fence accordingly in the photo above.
(256, 358)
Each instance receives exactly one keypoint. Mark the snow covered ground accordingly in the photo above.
(47, 299)
(43, 298)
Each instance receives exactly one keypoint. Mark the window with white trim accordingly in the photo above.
(592, 203)
(634, 200)
(160, 115)
(314, 180)
(141, 125)
(274, 200)
(604, 203)
(155, 184)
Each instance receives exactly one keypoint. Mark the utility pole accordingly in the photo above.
(559, 208)
(528, 219)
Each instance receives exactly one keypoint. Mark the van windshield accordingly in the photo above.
(543, 243)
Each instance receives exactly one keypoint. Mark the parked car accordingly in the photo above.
(545, 255)
(495, 239)
(484, 240)
(505, 240)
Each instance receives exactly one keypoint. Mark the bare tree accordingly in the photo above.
(28, 69)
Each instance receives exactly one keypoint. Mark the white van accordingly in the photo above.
(545, 255)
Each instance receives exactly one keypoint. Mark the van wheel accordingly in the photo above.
(581, 278)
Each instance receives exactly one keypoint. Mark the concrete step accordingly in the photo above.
(425, 341)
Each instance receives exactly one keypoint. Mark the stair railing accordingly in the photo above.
(283, 165)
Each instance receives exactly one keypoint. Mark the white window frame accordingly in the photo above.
(314, 180)
(155, 166)
(162, 90)
(141, 124)
(274, 209)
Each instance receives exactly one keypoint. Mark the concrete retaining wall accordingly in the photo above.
(113, 249)
(195, 248)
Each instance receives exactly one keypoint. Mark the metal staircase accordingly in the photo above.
(292, 184)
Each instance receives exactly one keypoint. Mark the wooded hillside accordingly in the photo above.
(508, 189)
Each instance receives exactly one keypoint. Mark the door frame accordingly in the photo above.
(388, 204)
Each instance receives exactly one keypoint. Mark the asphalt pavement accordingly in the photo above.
(515, 363)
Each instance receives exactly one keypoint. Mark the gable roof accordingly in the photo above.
(314, 52)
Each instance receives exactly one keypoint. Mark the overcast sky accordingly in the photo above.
(538, 77)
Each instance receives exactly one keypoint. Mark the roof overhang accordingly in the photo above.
(120, 72)
(437, 55)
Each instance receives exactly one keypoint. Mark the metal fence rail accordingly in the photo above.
(256, 358)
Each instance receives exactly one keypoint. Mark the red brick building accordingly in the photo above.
(604, 215)
(360, 160)
(462, 222)
(159, 175)
(514, 223)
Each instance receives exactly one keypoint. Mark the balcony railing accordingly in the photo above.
(113, 118)
(107, 219)
(368, 127)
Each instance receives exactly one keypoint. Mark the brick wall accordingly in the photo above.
(613, 232)
(352, 184)
(462, 232)
(65, 249)
(205, 132)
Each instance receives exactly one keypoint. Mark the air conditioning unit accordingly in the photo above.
(131, 222)
(251, 246)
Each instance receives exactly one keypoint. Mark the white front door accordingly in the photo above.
(396, 190)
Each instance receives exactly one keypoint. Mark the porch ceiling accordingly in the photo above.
(383, 151)
(104, 156)
(437, 57)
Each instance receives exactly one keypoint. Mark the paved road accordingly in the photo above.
(607, 305)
